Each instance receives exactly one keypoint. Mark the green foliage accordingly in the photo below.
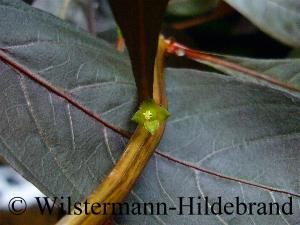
(279, 19)
(235, 128)
(150, 115)
(285, 71)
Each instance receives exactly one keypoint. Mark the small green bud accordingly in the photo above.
(150, 115)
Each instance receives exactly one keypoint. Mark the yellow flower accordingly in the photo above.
(147, 114)
(150, 115)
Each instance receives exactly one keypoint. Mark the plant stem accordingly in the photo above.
(91, 17)
(221, 11)
(219, 62)
(64, 9)
(117, 185)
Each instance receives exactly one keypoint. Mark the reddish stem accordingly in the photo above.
(36, 78)
(175, 48)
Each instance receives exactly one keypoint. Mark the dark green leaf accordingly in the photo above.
(278, 18)
(72, 11)
(241, 130)
(282, 74)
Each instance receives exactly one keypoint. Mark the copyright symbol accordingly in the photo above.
(17, 206)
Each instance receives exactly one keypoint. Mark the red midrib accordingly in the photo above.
(36, 78)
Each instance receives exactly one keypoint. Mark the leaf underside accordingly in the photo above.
(238, 129)
(281, 74)
(278, 18)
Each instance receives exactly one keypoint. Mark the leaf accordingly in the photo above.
(72, 11)
(190, 8)
(241, 130)
(286, 71)
(278, 18)
(140, 23)
(281, 74)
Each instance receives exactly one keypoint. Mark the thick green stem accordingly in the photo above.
(120, 181)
